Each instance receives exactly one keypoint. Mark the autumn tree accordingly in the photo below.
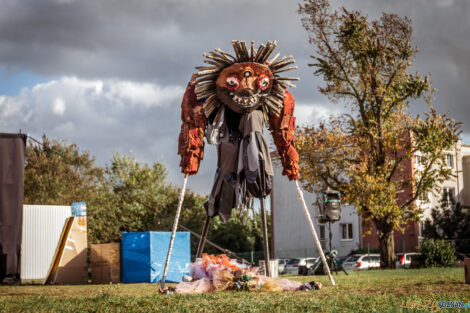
(364, 153)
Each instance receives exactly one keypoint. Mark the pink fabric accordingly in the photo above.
(199, 286)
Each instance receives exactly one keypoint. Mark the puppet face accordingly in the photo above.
(242, 86)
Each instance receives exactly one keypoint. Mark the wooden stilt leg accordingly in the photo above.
(173, 233)
(203, 238)
(265, 238)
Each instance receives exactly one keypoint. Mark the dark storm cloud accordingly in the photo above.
(159, 42)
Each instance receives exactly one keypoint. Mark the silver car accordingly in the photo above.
(282, 265)
(293, 265)
(358, 262)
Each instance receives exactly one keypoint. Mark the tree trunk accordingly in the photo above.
(386, 247)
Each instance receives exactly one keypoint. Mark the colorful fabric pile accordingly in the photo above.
(218, 273)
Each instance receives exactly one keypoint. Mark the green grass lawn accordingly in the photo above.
(369, 291)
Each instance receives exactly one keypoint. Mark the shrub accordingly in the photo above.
(436, 253)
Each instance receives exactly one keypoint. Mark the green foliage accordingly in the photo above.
(57, 173)
(366, 154)
(137, 198)
(436, 253)
(234, 235)
(448, 222)
(125, 195)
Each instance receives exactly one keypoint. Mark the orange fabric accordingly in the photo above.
(282, 128)
(220, 259)
(191, 138)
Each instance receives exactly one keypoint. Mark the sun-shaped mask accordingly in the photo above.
(246, 81)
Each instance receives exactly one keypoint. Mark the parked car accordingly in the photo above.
(405, 260)
(293, 265)
(282, 265)
(358, 262)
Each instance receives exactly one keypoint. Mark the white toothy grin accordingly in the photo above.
(244, 101)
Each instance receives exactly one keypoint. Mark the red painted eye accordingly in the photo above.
(263, 82)
(232, 83)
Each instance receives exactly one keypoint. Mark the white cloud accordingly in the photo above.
(59, 106)
(314, 113)
(103, 116)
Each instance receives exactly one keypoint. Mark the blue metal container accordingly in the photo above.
(144, 255)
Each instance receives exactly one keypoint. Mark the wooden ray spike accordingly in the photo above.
(280, 70)
(280, 60)
(217, 59)
(240, 51)
(235, 49)
(272, 107)
(275, 100)
(229, 59)
(277, 88)
(274, 58)
(282, 63)
(205, 72)
(260, 53)
(278, 94)
(244, 51)
(286, 78)
(203, 68)
(265, 109)
(199, 88)
(210, 105)
(206, 78)
(205, 94)
(268, 52)
(219, 56)
(229, 56)
(246, 54)
(275, 107)
(252, 50)
(287, 84)
(212, 62)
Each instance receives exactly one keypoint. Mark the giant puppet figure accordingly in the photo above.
(228, 102)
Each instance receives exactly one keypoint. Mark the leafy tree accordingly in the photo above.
(449, 223)
(364, 153)
(125, 195)
(137, 195)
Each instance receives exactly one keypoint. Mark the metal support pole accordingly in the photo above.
(203, 238)
(265, 238)
(173, 232)
(332, 259)
(314, 233)
(329, 229)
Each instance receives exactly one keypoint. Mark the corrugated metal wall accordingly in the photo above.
(42, 227)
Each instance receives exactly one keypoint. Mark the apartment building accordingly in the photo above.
(291, 236)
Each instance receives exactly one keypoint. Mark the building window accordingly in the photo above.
(448, 196)
(420, 229)
(322, 232)
(346, 231)
(450, 160)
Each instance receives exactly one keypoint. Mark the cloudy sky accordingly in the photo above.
(109, 75)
